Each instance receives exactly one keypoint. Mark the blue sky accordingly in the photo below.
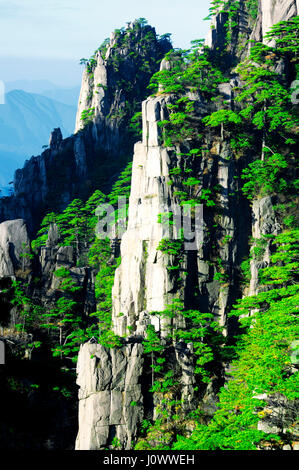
(47, 38)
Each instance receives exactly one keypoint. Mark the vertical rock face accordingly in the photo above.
(272, 12)
(143, 284)
(115, 78)
(142, 265)
(55, 138)
(217, 29)
(14, 243)
(110, 397)
(114, 382)
(263, 223)
(231, 29)
(113, 87)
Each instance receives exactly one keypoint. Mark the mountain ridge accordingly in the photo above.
(176, 348)
(26, 120)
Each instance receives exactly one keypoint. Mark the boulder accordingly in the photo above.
(14, 244)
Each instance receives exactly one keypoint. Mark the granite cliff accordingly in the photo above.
(114, 84)
(156, 353)
(144, 283)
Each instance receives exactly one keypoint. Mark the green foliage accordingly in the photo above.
(285, 34)
(136, 124)
(87, 116)
(264, 362)
(171, 247)
(258, 250)
(136, 48)
(266, 176)
(285, 262)
(27, 311)
(271, 108)
(245, 270)
(103, 47)
(190, 70)
(64, 317)
(267, 109)
(141, 22)
(43, 232)
(263, 121)
(122, 186)
(222, 117)
(76, 224)
(252, 8)
(152, 342)
(220, 274)
(232, 9)
(205, 336)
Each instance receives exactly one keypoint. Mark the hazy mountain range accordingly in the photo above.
(27, 118)
(66, 95)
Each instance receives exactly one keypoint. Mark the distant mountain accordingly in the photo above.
(66, 95)
(26, 121)
(31, 86)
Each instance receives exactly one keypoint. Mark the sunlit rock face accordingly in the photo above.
(14, 243)
(272, 12)
(109, 383)
(144, 285)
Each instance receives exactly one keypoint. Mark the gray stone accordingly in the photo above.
(14, 243)
(272, 12)
(264, 222)
(110, 380)
(55, 138)
(110, 395)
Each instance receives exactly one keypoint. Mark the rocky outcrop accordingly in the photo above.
(14, 245)
(272, 12)
(112, 90)
(55, 138)
(264, 222)
(114, 396)
(110, 397)
(143, 283)
(116, 78)
(248, 26)
(216, 34)
(278, 415)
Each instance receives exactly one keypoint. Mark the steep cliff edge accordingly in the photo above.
(272, 12)
(144, 284)
(210, 280)
(246, 20)
(112, 91)
(115, 82)
(184, 325)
